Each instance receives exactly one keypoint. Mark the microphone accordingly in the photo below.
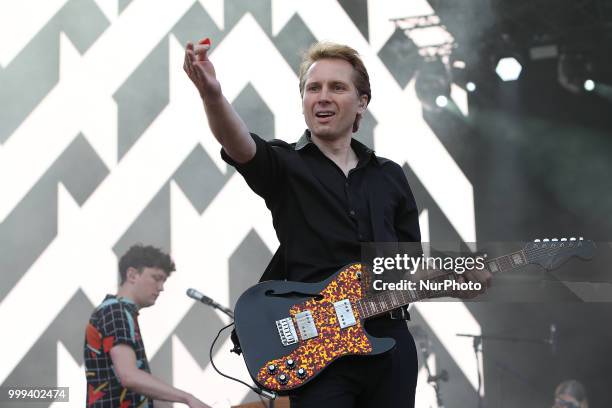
(200, 297)
(552, 339)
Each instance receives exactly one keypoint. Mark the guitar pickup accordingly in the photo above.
(286, 331)
(344, 311)
(306, 325)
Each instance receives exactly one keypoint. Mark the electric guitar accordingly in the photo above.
(289, 332)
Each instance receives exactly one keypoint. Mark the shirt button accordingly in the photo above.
(360, 236)
(346, 184)
(352, 213)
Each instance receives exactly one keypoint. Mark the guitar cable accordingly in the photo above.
(268, 394)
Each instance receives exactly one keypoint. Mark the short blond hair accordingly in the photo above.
(325, 50)
(322, 50)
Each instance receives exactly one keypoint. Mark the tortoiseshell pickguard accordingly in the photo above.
(332, 342)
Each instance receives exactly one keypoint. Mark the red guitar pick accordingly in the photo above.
(205, 41)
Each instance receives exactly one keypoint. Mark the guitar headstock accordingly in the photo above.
(551, 253)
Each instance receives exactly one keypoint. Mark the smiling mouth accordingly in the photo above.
(325, 115)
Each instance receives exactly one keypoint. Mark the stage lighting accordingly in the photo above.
(508, 69)
(432, 82)
(441, 101)
(575, 72)
(470, 86)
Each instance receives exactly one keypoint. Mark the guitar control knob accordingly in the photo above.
(272, 369)
(282, 379)
(290, 363)
(301, 373)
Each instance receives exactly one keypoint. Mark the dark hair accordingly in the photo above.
(140, 256)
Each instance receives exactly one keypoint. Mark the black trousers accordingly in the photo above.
(388, 380)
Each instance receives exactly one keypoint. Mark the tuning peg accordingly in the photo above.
(563, 239)
(546, 240)
(536, 240)
(555, 240)
(572, 239)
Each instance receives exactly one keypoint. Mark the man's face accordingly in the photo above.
(148, 284)
(331, 102)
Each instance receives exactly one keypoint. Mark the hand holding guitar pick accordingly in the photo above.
(225, 123)
(201, 71)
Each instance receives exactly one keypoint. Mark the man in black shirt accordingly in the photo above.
(321, 214)
(328, 193)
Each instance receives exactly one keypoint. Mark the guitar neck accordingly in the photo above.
(385, 301)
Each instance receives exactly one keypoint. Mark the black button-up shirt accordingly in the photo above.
(320, 215)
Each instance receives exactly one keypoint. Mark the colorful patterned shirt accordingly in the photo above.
(114, 322)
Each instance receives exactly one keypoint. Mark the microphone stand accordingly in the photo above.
(434, 380)
(227, 312)
(477, 344)
(507, 338)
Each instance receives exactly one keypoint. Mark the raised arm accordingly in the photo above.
(225, 123)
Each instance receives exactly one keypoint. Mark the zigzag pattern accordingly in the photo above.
(104, 143)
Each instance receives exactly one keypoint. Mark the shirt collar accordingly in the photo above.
(362, 151)
(303, 141)
(126, 301)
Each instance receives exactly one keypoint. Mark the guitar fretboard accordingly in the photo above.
(385, 301)
(506, 262)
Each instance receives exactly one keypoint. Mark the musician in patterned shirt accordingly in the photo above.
(116, 365)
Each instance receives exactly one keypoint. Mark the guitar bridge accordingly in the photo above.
(286, 331)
